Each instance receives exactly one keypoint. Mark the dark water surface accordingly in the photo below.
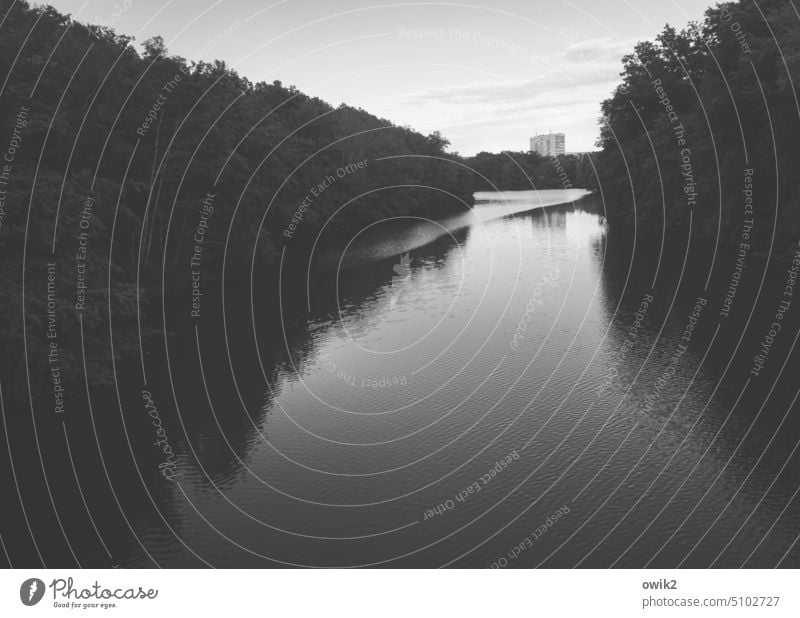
(518, 385)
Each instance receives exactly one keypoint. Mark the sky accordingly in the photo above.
(487, 74)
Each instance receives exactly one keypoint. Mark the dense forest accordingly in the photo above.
(521, 171)
(128, 171)
(704, 120)
(130, 174)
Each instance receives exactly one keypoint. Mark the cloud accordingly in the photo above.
(599, 50)
(566, 94)
(577, 90)
(578, 69)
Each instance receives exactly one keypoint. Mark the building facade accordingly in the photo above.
(549, 144)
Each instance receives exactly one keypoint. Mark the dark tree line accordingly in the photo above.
(523, 171)
(144, 138)
(695, 112)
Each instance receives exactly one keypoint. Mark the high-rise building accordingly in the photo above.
(549, 144)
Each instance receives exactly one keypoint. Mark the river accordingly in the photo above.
(508, 387)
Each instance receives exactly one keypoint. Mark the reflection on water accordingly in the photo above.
(430, 393)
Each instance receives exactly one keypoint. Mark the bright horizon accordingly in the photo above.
(487, 75)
